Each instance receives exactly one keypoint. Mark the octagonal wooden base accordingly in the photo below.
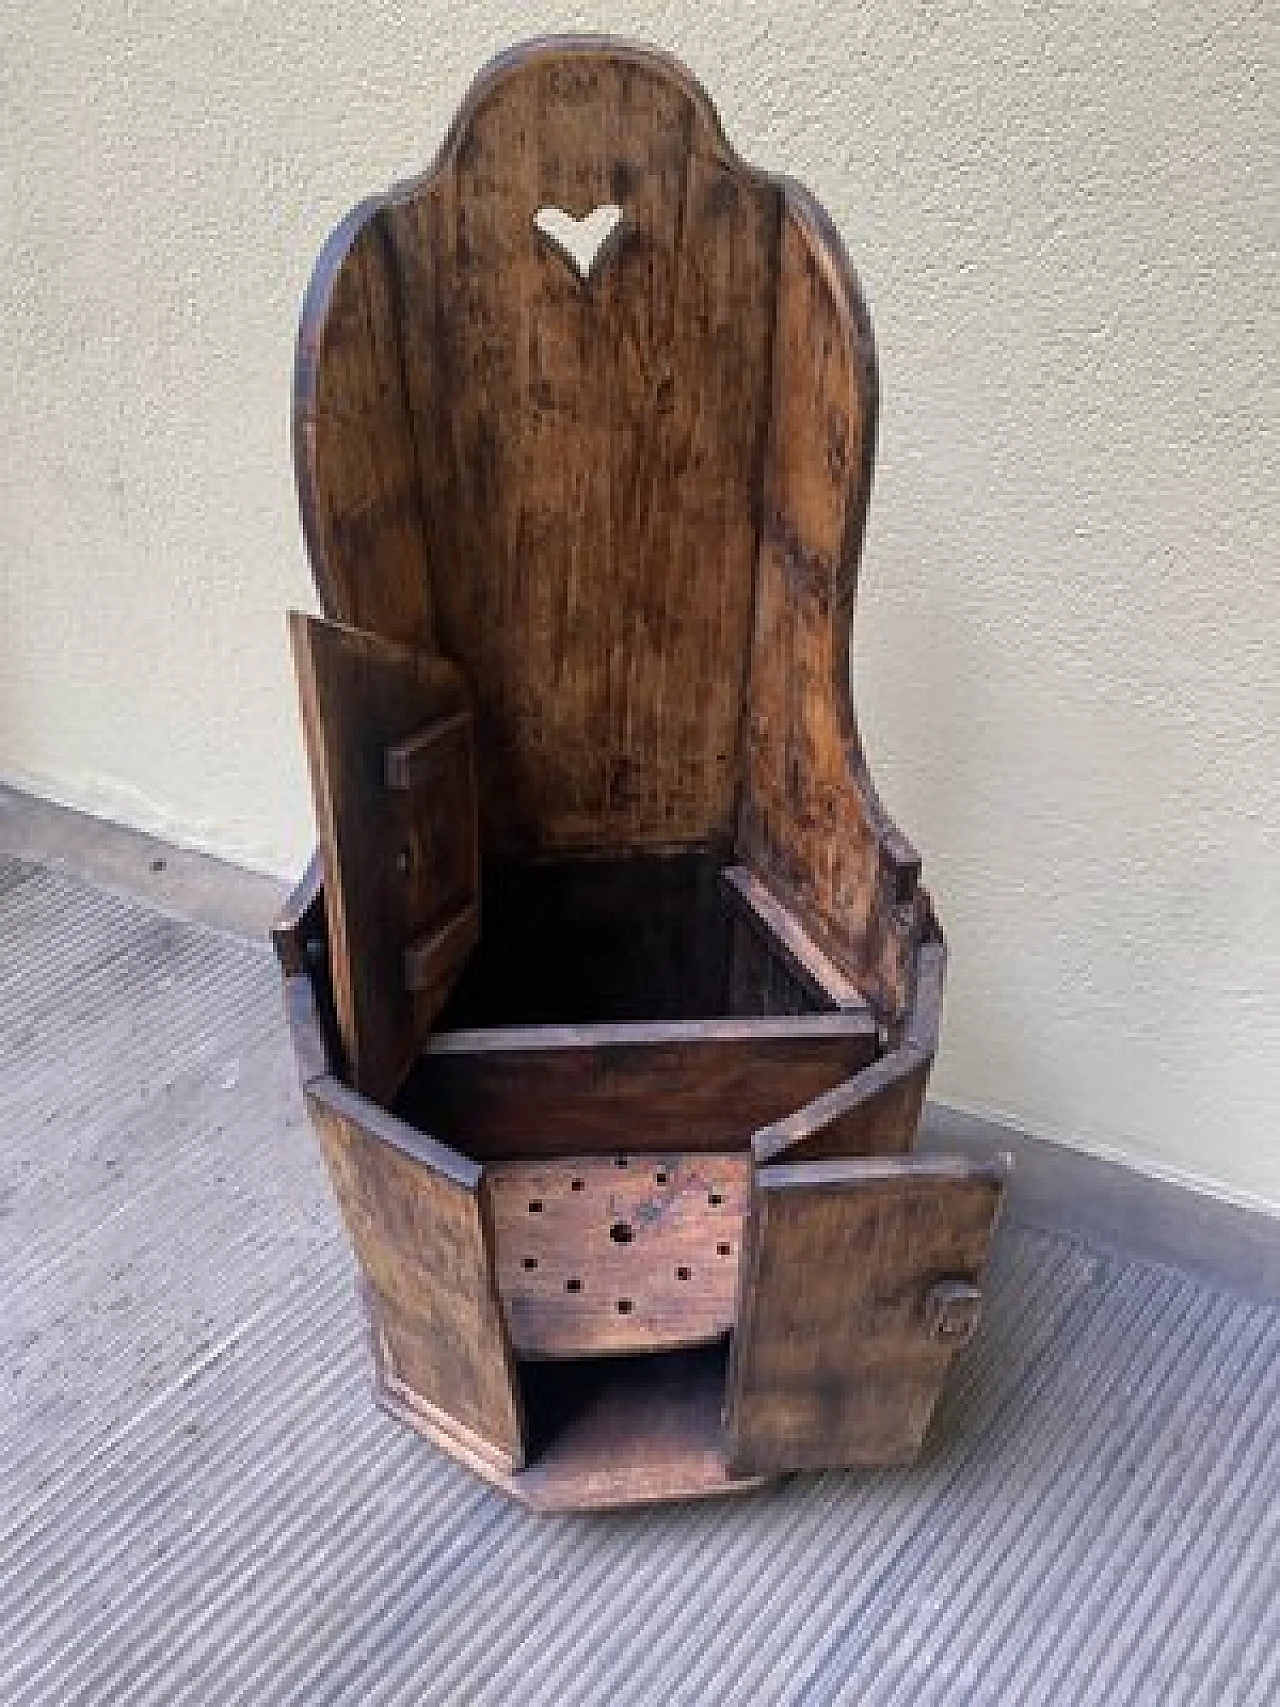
(651, 1258)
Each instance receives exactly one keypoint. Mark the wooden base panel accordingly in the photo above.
(608, 1433)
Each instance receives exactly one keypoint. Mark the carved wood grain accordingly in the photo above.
(614, 499)
(583, 521)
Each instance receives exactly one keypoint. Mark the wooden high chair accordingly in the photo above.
(613, 987)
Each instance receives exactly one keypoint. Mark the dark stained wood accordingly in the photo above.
(431, 962)
(646, 935)
(354, 457)
(401, 864)
(792, 942)
(301, 943)
(605, 1433)
(622, 1431)
(842, 1340)
(762, 979)
(606, 1254)
(641, 489)
(519, 1093)
(417, 762)
(810, 824)
(587, 454)
(875, 1113)
(420, 1225)
(585, 423)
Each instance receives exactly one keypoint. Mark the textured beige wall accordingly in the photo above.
(1068, 651)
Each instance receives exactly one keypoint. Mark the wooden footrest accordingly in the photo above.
(622, 1253)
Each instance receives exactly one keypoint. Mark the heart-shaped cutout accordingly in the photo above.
(583, 244)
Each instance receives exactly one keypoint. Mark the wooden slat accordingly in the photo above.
(521, 1092)
(417, 1218)
(760, 978)
(416, 763)
(874, 1114)
(793, 942)
(402, 866)
(432, 960)
(300, 922)
(603, 1255)
(843, 1339)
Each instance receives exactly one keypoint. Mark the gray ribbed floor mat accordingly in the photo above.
(200, 1504)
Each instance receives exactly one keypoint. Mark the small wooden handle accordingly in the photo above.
(410, 763)
(445, 947)
(952, 1311)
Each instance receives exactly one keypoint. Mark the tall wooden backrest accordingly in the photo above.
(575, 462)
(629, 504)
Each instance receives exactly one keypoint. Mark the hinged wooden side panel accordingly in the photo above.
(420, 1224)
(858, 1284)
(391, 749)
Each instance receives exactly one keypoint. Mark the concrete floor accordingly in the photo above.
(199, 1502)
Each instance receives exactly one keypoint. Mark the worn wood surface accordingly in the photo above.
(401, 863)
(763, 977)
(605, 1432)
(518, 1093)
(585, 417)
(810, 823)
(605, 1254)
(878, 1111)
(421, 1228)
(301, 941)
(559, 473)
(875, 1113)
(359, 485)
(843, 1339)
